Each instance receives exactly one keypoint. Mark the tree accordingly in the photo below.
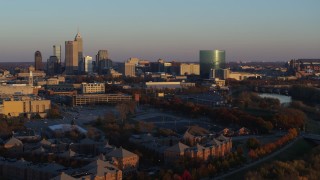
(123, 111)
(253, 143)
(252, 154)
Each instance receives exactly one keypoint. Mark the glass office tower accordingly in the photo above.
(211, 60)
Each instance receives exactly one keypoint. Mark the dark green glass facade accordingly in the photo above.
(211, 59)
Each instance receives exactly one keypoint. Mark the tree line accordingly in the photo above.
(260, 151)
(305, 168)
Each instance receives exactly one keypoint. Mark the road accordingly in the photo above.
(259, 161)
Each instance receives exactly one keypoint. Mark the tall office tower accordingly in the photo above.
(79, 41)
(104, 65)
(88, 68)
(211, 60)
(38, 61)
(57, 52)
(71, 53)
(130, 67)
(102, 55)
(53, 65)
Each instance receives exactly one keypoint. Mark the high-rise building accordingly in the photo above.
(38, 61)
(102, 61)
(104, 65)
(211, 59)
(79, 41)
(129, 69)
(57, 52)
(88, 68)
(53, 65)
(71, 53)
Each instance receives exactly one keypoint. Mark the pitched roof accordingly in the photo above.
(68, 153)
(214, 142)
(63, 176)
(187, 135)
(87, 141)
(199, 147)
(100, 167)
(39, 150)
(45, 142)
(179, 147)
(14, 142)
(120, 153)
(222, 138)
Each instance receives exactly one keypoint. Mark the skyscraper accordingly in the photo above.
(211, 60)
(52, 65)
(71, 53)
(79, 41)
(88, 64)
(57, 52)
(38, 61)
(101, 56)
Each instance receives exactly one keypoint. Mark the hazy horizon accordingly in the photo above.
(248, 30)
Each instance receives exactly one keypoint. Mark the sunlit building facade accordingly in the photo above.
(211, 59)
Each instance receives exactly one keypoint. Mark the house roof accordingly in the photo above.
(179, 147)
(68, 153)
(187, 135)
(222, 138)
(100, 167)
(45, 142)
(214, 142)
(39, 150)
(87, 141)
(63, 176)
(120, 153)
(14, 142)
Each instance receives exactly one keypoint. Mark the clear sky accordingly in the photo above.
(249, 30)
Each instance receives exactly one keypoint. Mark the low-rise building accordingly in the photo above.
(242, 75)
(188, 69)
(27, 106)
(169, 85)
(93, 88)
(89, 99)
(125, 160)
(16, 89)
(216, 147)
(13, 145)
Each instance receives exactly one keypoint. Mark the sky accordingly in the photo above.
(249, 30)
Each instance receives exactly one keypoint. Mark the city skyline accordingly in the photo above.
(247, 30)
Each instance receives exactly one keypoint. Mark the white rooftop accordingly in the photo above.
(66, 128)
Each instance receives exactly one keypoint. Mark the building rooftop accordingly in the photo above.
(120, 153)
(63, 176)
(179, 147)
(66, 128)
(13, 142)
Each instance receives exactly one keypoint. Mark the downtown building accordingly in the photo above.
(103, 63)
(189, 69)
(38, 61)
(210, 62)
(74, 56)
